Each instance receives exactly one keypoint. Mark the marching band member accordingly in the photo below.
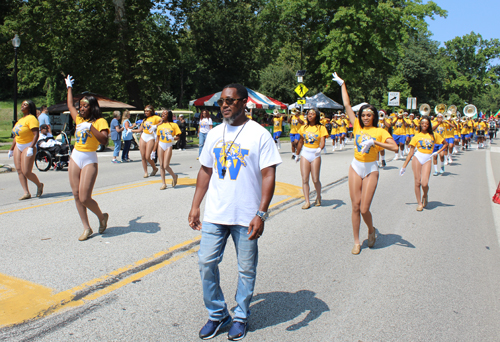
(278, 127)
(296, 121)
(482, 128)
(398, 125)
(424, 143)
(147, 142)
(457, 135)
(324, 121)
(439, 127)
(91, 130)
(342, 124)
(23, 149)
(363, 172)
(465, 134)
(166, 133)
(382, 123)
(312, 140)
(449, 136)
(335, 132)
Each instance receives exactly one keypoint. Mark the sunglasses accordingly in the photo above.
(228, 100)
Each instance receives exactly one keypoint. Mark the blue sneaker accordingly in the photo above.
(237, 332)
(212, 327)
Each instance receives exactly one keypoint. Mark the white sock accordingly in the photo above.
(382, 157)
(435, 167)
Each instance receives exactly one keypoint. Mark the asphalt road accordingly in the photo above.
(432, 275)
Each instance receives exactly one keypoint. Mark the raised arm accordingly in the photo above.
(72, 110)
(345, 98)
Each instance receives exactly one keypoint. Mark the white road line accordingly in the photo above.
(495, 149)
(492, 186)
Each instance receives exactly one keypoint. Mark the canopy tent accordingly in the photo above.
(104, 102)
(319, 100)
(356, 108)
(255, 100)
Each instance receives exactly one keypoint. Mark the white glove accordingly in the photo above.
(84, 126)
(153, 128)
(69, 81)
(297, 159)
(153, 155)
(30, 152)
(366, 145)
(318, 151)
(402, 171)
(434, 154)
(11, 153)
(337, 79)
(169, 137)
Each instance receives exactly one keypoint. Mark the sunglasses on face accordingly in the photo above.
(229, 101)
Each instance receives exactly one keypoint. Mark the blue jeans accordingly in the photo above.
(212, 245)
(203, 136)
(126, 148)
(118, 145)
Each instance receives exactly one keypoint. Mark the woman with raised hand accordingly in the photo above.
(424, 142)
(363, 172)
(91, 131)
(147, 142)
(167, 132)
(312, 140)
(23, 149)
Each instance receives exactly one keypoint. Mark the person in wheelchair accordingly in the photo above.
(47, 142)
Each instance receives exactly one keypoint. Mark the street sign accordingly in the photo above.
(393, 99)
(411, 103)
(301, 101)
(301, 90)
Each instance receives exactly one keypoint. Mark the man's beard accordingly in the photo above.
(231, 119)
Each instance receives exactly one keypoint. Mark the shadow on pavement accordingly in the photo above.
(434, 204)
(57, 194)
(273, 308)
(134, 227)
(386, 240)
(389, 168)
(334, 203)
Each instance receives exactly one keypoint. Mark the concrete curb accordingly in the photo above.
(7, 168)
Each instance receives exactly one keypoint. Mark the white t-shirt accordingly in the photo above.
(235, 198)
(205, 125)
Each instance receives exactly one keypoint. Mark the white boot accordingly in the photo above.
(278, 144)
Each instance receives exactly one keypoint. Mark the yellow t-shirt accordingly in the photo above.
(465, 128)
(397, 127)
(85, 141)
(439, 129)
(342, 125)
(456, 131)
(295, 124)
(335, 127)
(362, 134)
(22, 129)
(448, 130)
(150, 121)
(312, 135)
(323, 121)
(482, 126)
(168, 128)
(278, 123)
(381, 124)
(408, 124)
(424, 142)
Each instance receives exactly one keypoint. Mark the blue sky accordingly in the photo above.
(464, 16)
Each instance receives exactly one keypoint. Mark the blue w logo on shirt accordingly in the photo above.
(426, 144)
(310, 138)
(359, 139)
(82, 136)
(230, 157)
(17, 129)
(147, 125)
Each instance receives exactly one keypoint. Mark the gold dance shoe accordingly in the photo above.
(317, 203)
(39, 190)
(146, 175)
(420, 207)
(163, 187)
(306, 205)
(356, 249)
(174, 181)
(425, 201)
(86, 234)
(25, 197)
(371, 239)
(154, 172)
(104, 223)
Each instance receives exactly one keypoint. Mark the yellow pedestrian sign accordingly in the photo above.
(300, 101)
(301, 90)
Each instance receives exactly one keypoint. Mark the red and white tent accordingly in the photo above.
(255, 100)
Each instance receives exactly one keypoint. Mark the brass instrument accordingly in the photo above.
(470, 110)
(381, 115)
(451, 113)
(400, 112)
(440, 109)
(425, 109)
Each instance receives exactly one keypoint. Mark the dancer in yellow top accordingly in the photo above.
(335, 132)
(423, 143)
(278, 127)
(296, 120)
(23, 149)
(312, 141)
(363, 172)
(147, 142)
(166, 133)
(91, 130)
(382, 123)
(398, 125)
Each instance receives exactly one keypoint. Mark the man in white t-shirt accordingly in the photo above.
(238, 170)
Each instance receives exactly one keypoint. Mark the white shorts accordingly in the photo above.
(147, 137)
(165, 145)
(423, 157)
(309, 154)
(82, 159)
(364, 169)
(22, 147)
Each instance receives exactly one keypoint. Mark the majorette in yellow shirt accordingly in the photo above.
(362, 134)
(166, 129)
(312, 135)
(424, 142)
(22, 129)
(277, 123)
(398, 126)
(295, 124)
(85, 140)
(149, 122)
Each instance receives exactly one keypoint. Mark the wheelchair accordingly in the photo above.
(53, 157)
